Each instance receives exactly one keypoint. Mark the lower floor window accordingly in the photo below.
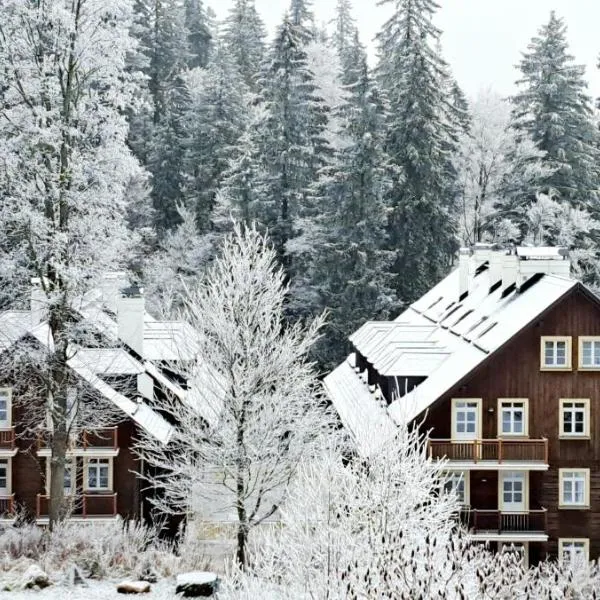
(4, 476)
(458, 483)
(98, 474)
(570, 550)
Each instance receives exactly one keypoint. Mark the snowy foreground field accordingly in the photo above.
(96, 590)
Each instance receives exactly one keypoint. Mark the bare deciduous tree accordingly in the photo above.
(253, 411)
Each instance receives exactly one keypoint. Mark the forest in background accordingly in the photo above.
(367, 179)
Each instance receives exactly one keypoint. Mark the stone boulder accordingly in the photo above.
(35, 577)
(197, 584)
(133, 587)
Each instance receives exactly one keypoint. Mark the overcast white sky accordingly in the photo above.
(482, 39)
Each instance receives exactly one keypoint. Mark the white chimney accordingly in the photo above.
(130, 318)
(464, 271)
(496, 262)
(481, 254)
(510, 270)
(547, 260)
(111, 285)
(38, 302)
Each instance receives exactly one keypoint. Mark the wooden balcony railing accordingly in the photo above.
(490, 450)
(531, 521)
(85, 505)
(7, 505)
(7, 438)
(98, 438)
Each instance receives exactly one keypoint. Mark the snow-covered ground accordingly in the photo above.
(96, 590)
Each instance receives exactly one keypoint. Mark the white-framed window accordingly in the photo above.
(556, 353)
(5, 407)
(574, 417)
(513, 416)
(98, 476)
(513, 491)
(466, 419)
(458, 482)
(589, 352)
(5, 477)
(574, 488)
(573, 549)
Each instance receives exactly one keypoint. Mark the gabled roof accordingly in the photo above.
(365, 419)
(87, 362)
(456, 337)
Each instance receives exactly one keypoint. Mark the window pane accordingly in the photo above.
(549, 353)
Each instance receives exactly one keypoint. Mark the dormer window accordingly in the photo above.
(556, 353)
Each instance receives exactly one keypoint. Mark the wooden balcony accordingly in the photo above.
(483, 454)
(84, 506)
(7, 506)
(7, 438)
(105, 438)
(498, 523)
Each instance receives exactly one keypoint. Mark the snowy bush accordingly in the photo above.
(108, 549)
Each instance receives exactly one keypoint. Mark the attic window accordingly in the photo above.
(432, 305)
(463, 316)
(487, 329)
(476, 325)
(449, 314)
(511, 288)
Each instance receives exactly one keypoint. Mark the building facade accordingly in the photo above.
(129, 368)
(500, 363)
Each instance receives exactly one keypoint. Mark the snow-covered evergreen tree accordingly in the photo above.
(350, 267)
(157, 132)
(290, 135)
(199, 36)
(344, 37)
(243, 35)
(165, 161)
(65, 171)
(422, 134)
(214, 119)
(302, 18)
(553, 108)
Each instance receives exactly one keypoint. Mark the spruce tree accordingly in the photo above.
(344, 38)
(215, 118)
(290, 136)
(243, 36)
(199, 36)
(554, 110)
(422, 134)
(158, 134)
(302, 19)
(351, 268)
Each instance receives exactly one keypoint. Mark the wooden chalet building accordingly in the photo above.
(132, 365)
(500, 362)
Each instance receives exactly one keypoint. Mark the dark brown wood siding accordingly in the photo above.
(514, 372)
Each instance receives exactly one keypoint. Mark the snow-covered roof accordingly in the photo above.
(494, 320)
(169, 341)
(444, 338)
(365, 419)
(110, 361)
(16, 324)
